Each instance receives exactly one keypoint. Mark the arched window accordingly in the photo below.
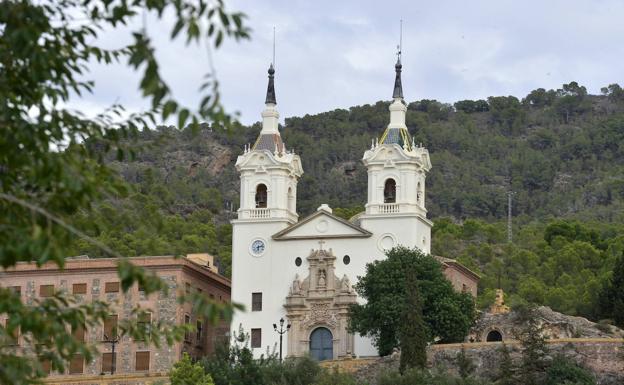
(261, 196)
(291, 200)
(494, 336)
(390, 191)
(418, 193)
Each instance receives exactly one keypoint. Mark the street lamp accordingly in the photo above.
(113, 342)
(281, 332)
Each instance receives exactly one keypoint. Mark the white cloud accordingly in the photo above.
(338, 54)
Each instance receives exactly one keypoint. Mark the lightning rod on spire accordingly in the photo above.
(273, 62)
(400, 46)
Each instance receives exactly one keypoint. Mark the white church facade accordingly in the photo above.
(302, 271)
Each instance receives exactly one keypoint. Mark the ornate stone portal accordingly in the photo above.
(321, 300)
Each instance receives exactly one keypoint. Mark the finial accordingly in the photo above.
(398, 87)
(270, 96)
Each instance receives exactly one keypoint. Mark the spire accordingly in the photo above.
(269, 138)
(270, 96)
(398, 87)
(396, 132)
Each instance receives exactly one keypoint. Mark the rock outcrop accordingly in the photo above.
(554, 326)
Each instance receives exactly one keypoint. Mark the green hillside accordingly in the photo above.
(561, 152)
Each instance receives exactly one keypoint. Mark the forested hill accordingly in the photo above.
(561, 152)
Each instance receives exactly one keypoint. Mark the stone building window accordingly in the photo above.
(187, 334)
(78, 333)
(256, 301)
(261, 196)
(187, 288)
(200, 330)
(13, 339)
(144, 323)
(16, 289)
(79, 288)
(107, 362)
(111, 287)
(346, 259)
(142, 362)
(298, 261)
(390, 191)
(110, 327)
(46, 290)
(46, 365)
(76, 364)
(256, 338)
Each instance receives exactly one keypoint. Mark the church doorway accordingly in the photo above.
(321, 344)
(494, 336)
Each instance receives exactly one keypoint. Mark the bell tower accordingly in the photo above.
(397, 169)
(268, 204)
(269, 172)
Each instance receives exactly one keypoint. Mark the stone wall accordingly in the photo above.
(117, 379)
(602, 356)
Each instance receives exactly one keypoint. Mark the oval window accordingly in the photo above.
(298, 261)
(346, 259)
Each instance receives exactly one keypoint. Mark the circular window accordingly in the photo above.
(346, 259)
(298, 261)
(322, 226)
(386, 242)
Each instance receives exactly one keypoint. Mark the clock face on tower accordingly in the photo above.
(257, 247)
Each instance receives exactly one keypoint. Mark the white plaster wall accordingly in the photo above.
(273, 272)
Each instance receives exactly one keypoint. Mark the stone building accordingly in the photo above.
(96, 279)
(302, 269)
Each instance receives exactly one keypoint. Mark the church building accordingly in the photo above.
(303, 270)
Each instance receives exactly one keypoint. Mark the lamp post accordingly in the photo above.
(281, 332)
(113, 342)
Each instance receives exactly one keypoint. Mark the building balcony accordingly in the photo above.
(394, 208)
(266, 214)
(388, 208)
(259, 213)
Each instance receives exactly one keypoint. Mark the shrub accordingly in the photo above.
(565, 371)
(335, 377)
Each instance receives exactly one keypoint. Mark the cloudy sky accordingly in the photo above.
(337, 54)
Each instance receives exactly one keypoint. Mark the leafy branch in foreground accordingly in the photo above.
(52, 158)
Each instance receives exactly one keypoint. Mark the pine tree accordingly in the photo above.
(534, 352)
(465, 365)
(617, 291)
(413, 331)
(506, 368)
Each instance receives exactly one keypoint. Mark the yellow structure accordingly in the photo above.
(499, 306)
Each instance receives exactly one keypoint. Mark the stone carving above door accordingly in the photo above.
(320, 300)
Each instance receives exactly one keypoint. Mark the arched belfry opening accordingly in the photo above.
(390, 191)
(261, 196)
(494, 336)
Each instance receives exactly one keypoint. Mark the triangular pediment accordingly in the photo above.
(321, 225)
